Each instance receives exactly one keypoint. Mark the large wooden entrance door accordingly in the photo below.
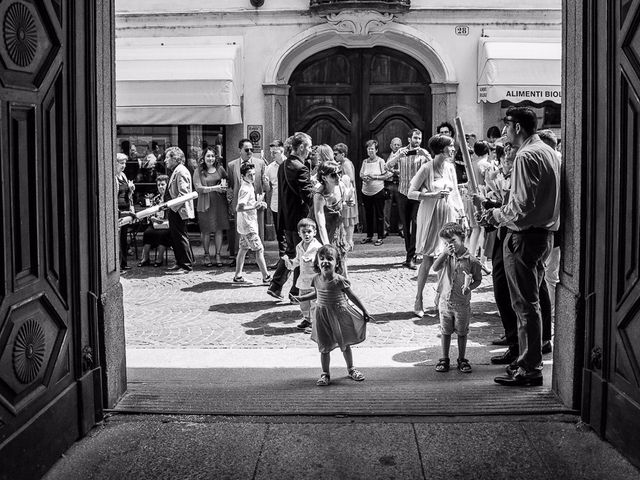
(353, 95)
(612, 374)
(50, 386)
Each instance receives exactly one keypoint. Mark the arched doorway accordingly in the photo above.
(353, 95)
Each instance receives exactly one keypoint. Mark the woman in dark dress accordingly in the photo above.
(210, 181)
(157, 233)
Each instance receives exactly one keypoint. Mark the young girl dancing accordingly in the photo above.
(336, 322)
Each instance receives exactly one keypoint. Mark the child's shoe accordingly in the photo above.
(443, 365)
(463, 365)
(355, 374)
(324, 380)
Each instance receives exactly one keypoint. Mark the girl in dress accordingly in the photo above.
(336, 322)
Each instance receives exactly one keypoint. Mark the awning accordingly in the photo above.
(169, 81)
(519, 70)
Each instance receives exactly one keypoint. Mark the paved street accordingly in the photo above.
(205, 310)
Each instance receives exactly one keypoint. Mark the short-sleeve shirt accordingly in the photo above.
(247, 222)
(272, 174)
(453, 275)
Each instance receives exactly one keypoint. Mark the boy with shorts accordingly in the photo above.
(247, 225)
(305, 256)
(461, 273)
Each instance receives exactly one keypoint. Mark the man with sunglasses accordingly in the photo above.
(235, 182)
(531, 215)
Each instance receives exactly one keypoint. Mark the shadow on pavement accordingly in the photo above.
(246, 307)
(209, 286)
(262, 324)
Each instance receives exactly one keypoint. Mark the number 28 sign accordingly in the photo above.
(462, 30)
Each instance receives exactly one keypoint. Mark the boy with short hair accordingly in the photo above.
(247, 225)
(305, 255)
(461, 273)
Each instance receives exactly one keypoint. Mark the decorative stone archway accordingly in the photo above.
(357, 29)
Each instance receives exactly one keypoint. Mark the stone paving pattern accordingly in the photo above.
(204, 309)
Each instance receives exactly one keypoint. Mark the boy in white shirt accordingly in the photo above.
(247, 225)
(305, 255)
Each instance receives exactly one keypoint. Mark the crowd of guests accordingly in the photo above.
(508, 215)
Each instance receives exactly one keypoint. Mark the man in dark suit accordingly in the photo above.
(179, 185)
(295, 197)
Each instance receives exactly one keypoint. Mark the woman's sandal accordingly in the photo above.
(207, 261)
(355, 374)
(144, 263)
(324, 380)
(218, 261)
(463, 365)
(443, 365)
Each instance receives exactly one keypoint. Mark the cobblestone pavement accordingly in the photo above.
(204, 309)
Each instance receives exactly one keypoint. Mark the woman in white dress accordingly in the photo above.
(436, 186)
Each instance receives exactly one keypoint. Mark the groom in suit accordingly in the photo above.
(179, 185)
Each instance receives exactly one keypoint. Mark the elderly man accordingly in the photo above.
(179, 185)
(276, 149)
(392, 186)
(235, 182)
(531, 215)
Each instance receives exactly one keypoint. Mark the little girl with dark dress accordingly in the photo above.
(336, 322)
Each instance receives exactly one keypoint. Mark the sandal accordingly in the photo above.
(443, 365)
(157, 264)
(267, 280)
(463, 365)
(324, 380)
(355, 374)
(378, 242)
(218, 261)
(144, 263)
(366, 240)
(207, 261)
(240, 279)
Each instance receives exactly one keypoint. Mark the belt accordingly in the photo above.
(530, 230)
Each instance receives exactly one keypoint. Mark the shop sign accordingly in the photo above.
(254, 133)
(516, 94)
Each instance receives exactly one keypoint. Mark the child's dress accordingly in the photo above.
(336, 322)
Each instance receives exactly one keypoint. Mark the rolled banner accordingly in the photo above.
(147, 212)
(473, 182)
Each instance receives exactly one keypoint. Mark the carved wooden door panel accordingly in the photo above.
(353, 95)
(612, 378)
(43, 253)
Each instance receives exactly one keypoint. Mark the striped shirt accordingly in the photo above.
(408, 167)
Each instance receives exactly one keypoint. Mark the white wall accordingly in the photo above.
(269, 28)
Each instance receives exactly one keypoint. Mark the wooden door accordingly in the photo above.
(49, 383)
(611, 400)
(353, 95)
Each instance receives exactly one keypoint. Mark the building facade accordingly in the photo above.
(344, 71)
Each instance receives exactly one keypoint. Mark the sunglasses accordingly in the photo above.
(248, 150)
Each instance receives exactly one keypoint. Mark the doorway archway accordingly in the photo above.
(353, 95)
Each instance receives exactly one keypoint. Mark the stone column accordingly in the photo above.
(276, 112)
(444, 98)
(276, 127)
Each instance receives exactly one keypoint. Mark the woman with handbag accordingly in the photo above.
(373, 174)
(436, 187)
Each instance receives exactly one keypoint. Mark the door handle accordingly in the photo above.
(596, 358)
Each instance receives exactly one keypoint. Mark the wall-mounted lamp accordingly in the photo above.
(257, 3)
